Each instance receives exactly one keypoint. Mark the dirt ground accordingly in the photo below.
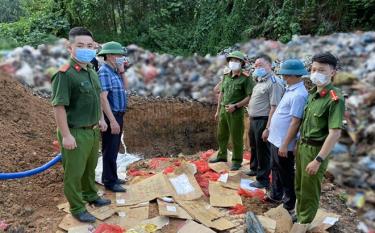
(27, 130)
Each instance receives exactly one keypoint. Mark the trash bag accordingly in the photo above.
(206, 155)
(258, 194)
(202, 166)
(108, 228)
(135, 172)
(155, 163)
(238, 209)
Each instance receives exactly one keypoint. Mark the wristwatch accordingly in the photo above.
(319, 159)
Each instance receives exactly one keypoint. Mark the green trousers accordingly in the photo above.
(79, 168)
(231, 125)
(308, 187)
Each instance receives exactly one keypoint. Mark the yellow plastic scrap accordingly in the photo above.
(150, 228)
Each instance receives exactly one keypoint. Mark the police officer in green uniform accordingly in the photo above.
(236, 88)
(76, 103)
(320, 130)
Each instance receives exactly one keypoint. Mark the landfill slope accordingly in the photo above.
(27, 133)
(159, 126)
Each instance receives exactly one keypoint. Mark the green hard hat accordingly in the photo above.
(236, 54)
(111, 48)
(292, 67)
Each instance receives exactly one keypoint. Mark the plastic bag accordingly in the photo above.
(204, 180)
(108, 228)
(135, 172)
(258, 194)
(168, 170)
(238, 209)
(202, 166)
(206, 155)
(156, 162)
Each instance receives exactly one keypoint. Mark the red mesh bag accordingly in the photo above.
(258, 194)
(108, 228)
(206, 155)
(238, 209)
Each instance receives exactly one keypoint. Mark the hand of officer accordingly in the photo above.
(265, 135)
(69, 142)
(230, 108)
(283, 151)
(103, 126)
(217, 115)
(115, 127)
(313, 167)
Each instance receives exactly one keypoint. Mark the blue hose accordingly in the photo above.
(18, 175)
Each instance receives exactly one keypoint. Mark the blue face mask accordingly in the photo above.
(120, 61)
(259, 72)
(85, 55)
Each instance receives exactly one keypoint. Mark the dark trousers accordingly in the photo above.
(283, 178)
(260, 151)
(110, 148)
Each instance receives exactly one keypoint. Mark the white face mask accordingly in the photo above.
(319, 79)
(234, 66)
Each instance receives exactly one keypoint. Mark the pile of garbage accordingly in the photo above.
(188, 194)
(194, 77)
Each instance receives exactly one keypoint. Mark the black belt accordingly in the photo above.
(259, 118)
(312, 142)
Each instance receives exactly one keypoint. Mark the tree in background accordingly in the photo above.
(185, 27)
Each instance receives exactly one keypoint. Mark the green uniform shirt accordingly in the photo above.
(77, 89)
(324, 110)
(235, 88)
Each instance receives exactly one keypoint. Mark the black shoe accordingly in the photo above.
(258, 185)
(116, 188)
(217, 160)
(293, 215)
(120, 181)
(100, 202)
(84, 217)
(251, 173)
(268, 198)
(235, 167)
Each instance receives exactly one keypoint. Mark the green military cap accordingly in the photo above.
(292, 67)
(236, 54)
(111, 48)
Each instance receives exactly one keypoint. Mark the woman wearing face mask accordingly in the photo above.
(320, 130)
(114, 102)
(235, 91)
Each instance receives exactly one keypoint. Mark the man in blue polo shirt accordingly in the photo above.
(284, 127)
(114, 101)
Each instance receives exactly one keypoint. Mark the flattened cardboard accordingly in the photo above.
(103, 213)
(320, 223)
(129, 216)
(69, 222)
(180, 180)
(192, 226)
(299, 228)
(159, 221)
(268, 223)
(281, 216)
(165, 211)
(64, 207)
(203, 212)
(79, 229)
(233, 181)
(223, 197)
(146, 190)
(219, 167)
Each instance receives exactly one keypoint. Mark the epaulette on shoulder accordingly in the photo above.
(273, 79)
(64, 68)
(226, 70)
(334, 96)
(246, 73)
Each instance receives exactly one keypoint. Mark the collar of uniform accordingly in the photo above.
(235, 76)
(323, 92)
(263, 79)
(294, 86)
(76, 66)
